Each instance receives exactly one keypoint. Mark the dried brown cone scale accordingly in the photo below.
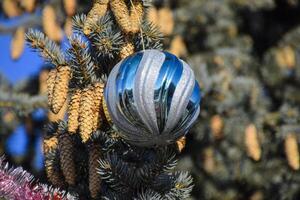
(98, 96)
(73, 111)
(121, 13)
(292, 151)
(18, 43)
(252, 142)
(10, 8)
(50, 84)
(216, 126)
(86, 114)
(60, 90)
(136, 15)
(98, 10)
(126, 50)
(66, 156)
(50, 25)
(94, 176)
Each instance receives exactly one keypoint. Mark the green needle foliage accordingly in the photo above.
(99, 164)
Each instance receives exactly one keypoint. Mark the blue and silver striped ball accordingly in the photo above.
(152, 97)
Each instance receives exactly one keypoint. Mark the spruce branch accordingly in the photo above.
(100, 25)
(82, 64)
(177, 185)
(52, 168)
(48, 49)
(108, 43)
(27, 21)
(78, 22)
(152, 37)
(108, 140)
(135, 168)
(23, 104)
(149, 195)
(109, 172)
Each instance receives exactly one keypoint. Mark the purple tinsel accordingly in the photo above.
(17, 184)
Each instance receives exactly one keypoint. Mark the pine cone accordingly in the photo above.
(66, 155)
(252, 142)
(50, 144)
(98, 10)
(18, 43)
(126, 50)
(60, 115)
(68, 27)
(216, 126)
(50, 85)
(10, 8)
(122, 16)
(73, 111)
(136, 15)
(43, 76)
(51, 28)
(178, 47)
(52, 168)
(70, 7)
(152, 15)
(98, 95)
(286, 57)
(292, 151)
(106, 113)
(60, 90)
(94, 176)
(28, 5)
(86, 114)
(166, 21)
(209, 163)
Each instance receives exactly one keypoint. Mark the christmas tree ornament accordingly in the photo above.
(152, 97)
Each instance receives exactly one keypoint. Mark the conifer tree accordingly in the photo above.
(89, 157)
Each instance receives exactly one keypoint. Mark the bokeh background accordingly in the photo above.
(246, 57)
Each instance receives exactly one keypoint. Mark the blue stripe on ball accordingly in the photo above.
(169, 76)
(125, 84)
(194, 99)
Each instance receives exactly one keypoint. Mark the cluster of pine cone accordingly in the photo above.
(85, 110)
(56, 19)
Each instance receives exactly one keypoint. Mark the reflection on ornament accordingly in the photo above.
(152, 97)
